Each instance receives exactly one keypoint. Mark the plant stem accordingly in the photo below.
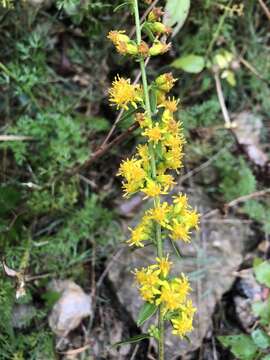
(154, 174)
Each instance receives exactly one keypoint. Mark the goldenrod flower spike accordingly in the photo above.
(149, 171)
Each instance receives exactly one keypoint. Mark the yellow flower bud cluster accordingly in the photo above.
(157, 288)
(126, 46)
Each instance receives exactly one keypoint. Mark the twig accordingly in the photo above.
(202, 166)
(225, 113)
(237, 201)
(250, 68)
(15, 138)
(265, 8)
(102, 150)
(108, 267)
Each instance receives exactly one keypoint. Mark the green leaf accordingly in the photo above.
(132, 340)
(153, 100)
(260, 338)
(242, 346)
(146, 312)
(190, 63)
(262, 273)
(267, 357)
(262, 309)
(176, 13)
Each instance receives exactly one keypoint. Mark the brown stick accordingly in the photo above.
(237, 201)
(265, 8)
(103, 149)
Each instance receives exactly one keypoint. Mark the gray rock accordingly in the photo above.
(210, 262)
(72, 307)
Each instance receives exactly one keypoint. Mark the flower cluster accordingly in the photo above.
(150, 171)
(156, 287)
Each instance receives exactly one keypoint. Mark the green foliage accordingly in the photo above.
(236, 177)
(146, 312)
(259, 211)
(190, 63)
(242, 346)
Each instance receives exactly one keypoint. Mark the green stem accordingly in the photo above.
(154, 174)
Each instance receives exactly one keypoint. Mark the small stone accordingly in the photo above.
(72, 307)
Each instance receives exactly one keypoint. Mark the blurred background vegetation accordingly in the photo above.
(58, 200)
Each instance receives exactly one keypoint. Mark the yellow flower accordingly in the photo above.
(182, 325)
(179, 231)
(132, 170)
(173, 293)
(170, 104)
(122, 93)
(144, 155)
(166, 180)
(137, 237)
(130, 188)
(164, 265)
(188, 308)
(181, 203)
(152, 189)
(141, 232)
(160, 213)
(148, 281)
(192, 219)
(154, 134)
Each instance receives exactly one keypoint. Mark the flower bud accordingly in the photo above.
(143, 49)
(165, 82)
(159, 28)
(159, 48)
(118, 36)
(155, 14)
(127, 48)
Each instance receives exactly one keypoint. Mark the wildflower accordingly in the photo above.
(140, 233)
(173, 293)
(170, 104)
(165, 82)
(166, 180)
(181, 203)
(122, 93)
(164, 265)
(132, 170)
(159, 48)
(179, 231)
(155, 133)
(160, 213)
(152, 189)
(143, 152)
(192, 219)
(182, 325)
(148, 281)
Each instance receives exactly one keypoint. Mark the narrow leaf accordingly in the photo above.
(146, 312)
(132, 340)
